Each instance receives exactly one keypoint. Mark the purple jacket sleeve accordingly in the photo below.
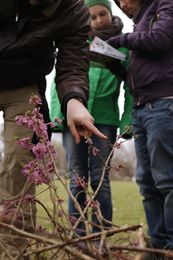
(158, 38)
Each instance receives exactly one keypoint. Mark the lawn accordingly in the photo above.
(127, 210)
(127, 203)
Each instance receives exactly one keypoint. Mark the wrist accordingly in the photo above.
(71, 96)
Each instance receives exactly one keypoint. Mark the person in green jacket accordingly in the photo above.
(103, 106)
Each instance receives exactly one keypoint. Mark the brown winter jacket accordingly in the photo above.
(31, 32)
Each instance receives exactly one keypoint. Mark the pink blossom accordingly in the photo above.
(25, 142)
(95, 151)
(88, 141)
(60, 201)
(72, 219)
(118, 167)
(8, 208)
(39, 150)
(30, 123)
(58, 120)
(80, 181)
(94, 204)
(50, 166)
(51, 149)
(51, 124)
(25, 121)
(28, 198)
(117, 145)
(41, 130)
(60, 213)
(36, 174)
(36, 115)
(40, 229)
(42, 168)
(35, 100)
(35, 122)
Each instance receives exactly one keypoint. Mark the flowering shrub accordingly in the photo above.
(60, 240)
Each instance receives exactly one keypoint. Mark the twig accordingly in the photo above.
(166, 253)
(98, 188)
(6, 252)
(141, 239)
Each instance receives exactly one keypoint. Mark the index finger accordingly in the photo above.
(89, 126)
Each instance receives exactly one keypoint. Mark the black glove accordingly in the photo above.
(114, 42)
(117, 68)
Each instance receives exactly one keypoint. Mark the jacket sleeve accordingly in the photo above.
(158, 38)
(73, 55)
(126, 119)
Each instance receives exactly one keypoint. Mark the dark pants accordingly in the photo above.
(153, 132)
(83, 162)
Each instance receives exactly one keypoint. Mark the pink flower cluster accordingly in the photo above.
(81, 181)
(34, 121)
(35, 100)
(94, 204)
(9, 208)
(95, 151)
(118, 167)
(36, 173)
(41, 169)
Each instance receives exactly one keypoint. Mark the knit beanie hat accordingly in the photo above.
(90, 3)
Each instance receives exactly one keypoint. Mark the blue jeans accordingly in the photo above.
(153, 132)
(81, 160)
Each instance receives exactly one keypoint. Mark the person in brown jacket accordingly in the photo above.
(30, 33)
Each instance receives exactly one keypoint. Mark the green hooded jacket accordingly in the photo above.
(103, 98)
(104, 90)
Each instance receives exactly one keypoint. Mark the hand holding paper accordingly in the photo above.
(102, 52)
(103, 48)
(114, 42)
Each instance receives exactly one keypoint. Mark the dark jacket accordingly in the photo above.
(29, 36)
(151, 66)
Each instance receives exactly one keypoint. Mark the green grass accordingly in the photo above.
(127, 210)
(127, 203)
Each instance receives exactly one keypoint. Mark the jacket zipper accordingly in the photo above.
(133, 86)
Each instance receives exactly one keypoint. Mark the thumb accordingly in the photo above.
(75, 133)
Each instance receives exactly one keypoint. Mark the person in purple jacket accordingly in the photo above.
(151, 81)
